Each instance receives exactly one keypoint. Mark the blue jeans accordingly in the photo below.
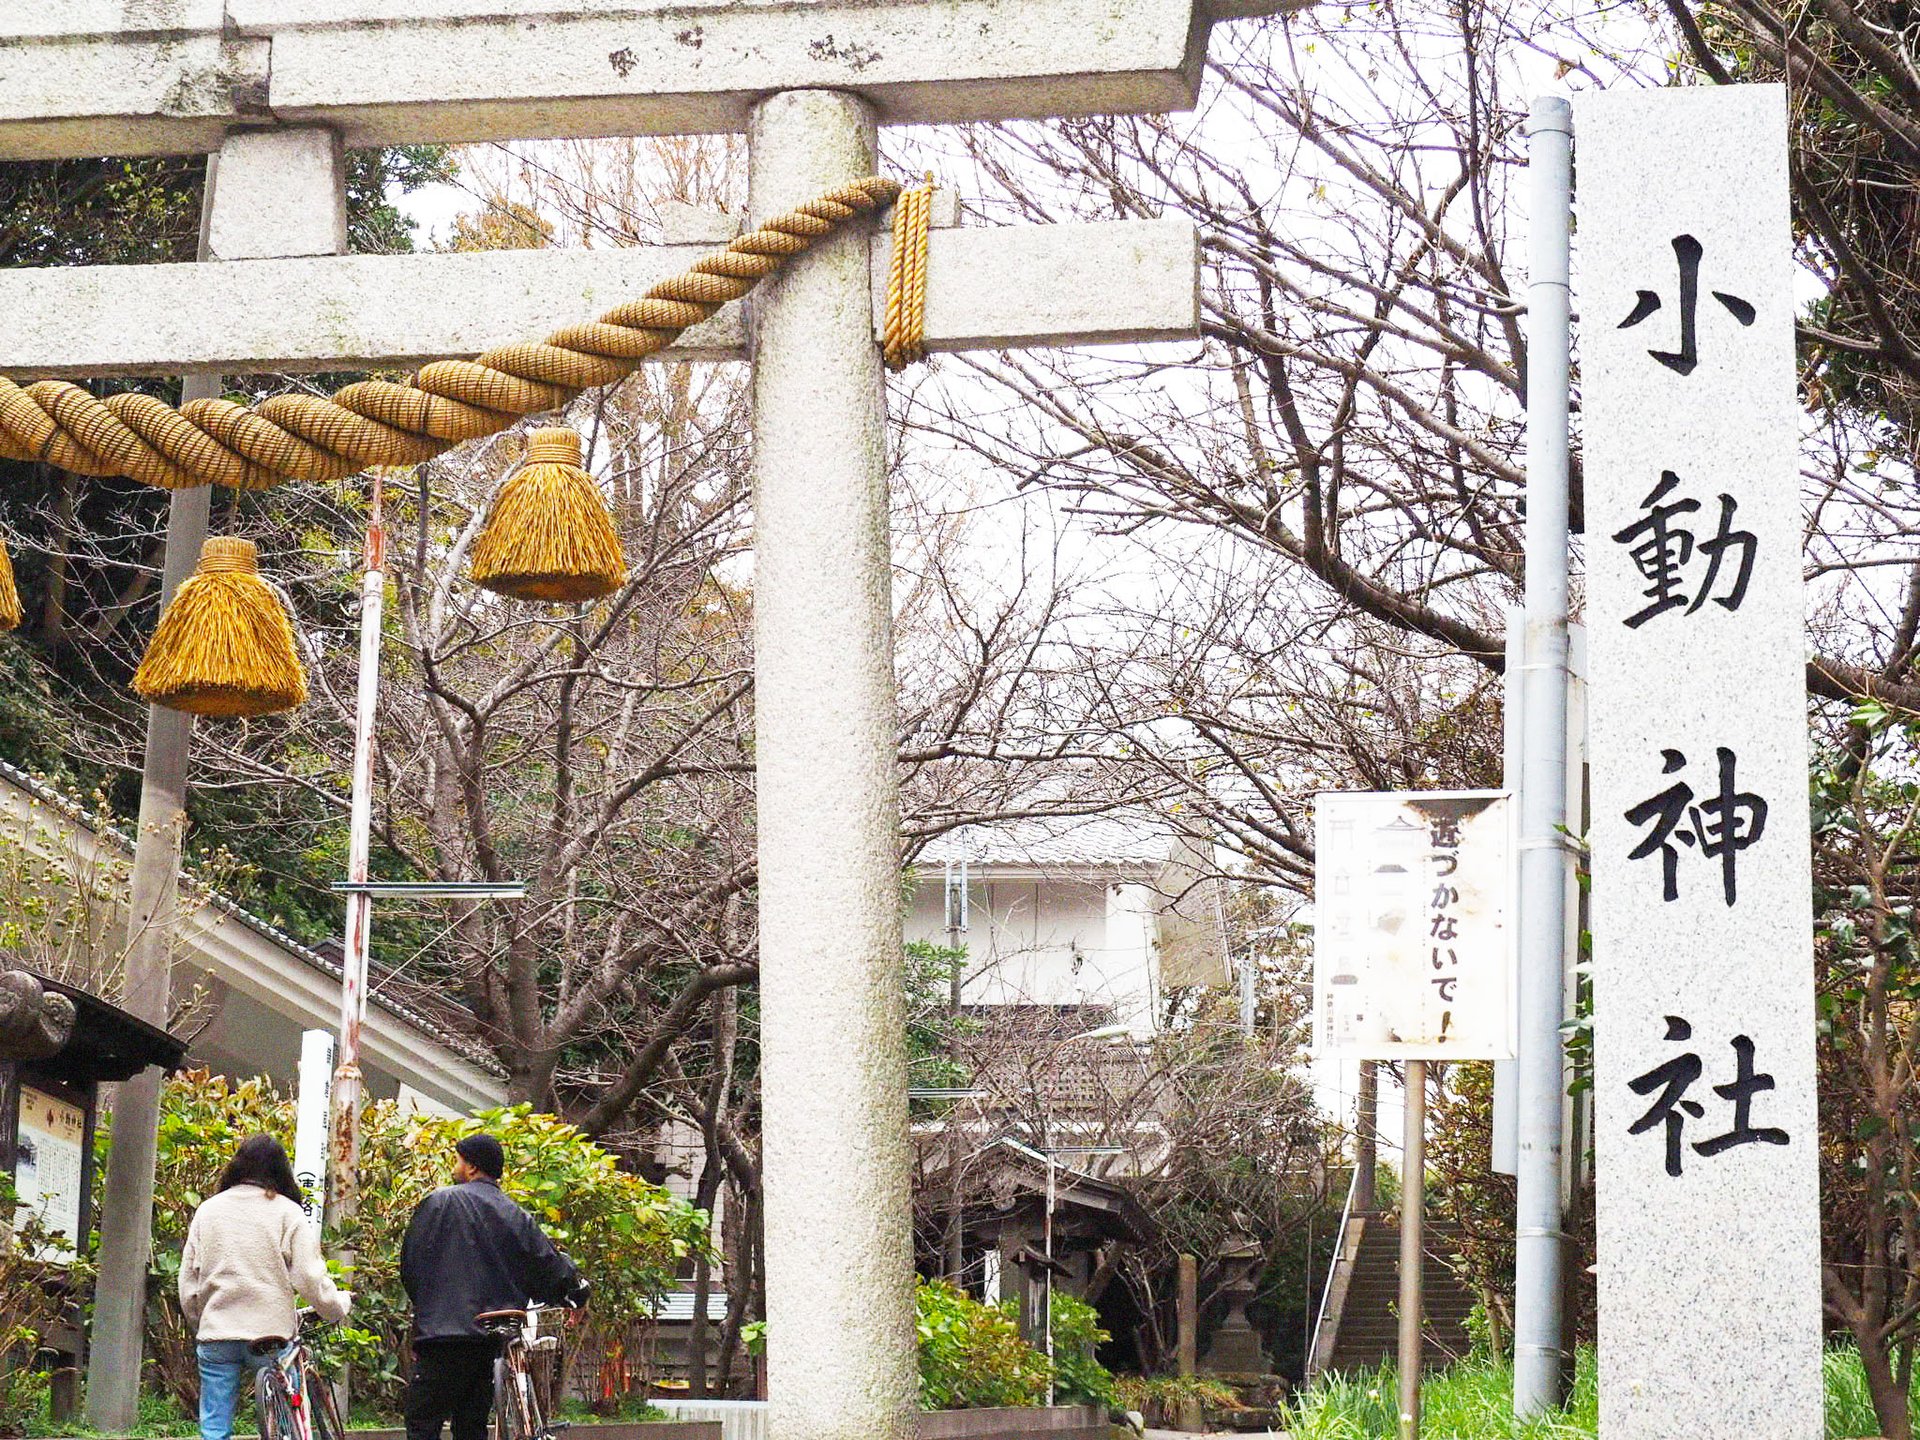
(224, 1365)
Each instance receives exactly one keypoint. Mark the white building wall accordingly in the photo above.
(1132, 972)
(1049, 940)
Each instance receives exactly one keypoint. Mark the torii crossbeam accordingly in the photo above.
(810, 81)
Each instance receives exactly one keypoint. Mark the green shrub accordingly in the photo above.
(1078, 1377)
(627, 1235)
(32, 1300)
(971, 1355)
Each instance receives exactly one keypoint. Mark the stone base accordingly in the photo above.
(1235, 1351)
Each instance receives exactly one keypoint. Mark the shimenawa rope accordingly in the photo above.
(906, 319)
(380, 422)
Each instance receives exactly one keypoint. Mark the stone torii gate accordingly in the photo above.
(275, 88)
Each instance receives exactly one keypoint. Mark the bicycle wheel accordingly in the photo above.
(273, 1405)
(323, 1416)
(512, 1419)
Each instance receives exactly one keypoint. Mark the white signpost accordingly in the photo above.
(1413, 925)
(1708, 1193)
(1414, 959)
(810, 81)
(312, 1107)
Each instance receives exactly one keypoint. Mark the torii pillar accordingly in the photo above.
(835, 1156)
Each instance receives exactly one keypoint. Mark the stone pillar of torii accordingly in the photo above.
(810, 81)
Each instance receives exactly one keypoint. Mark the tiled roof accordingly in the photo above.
(1120, 840)
(461, 1045)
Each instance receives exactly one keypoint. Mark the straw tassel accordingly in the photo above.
(9, 593)
(224, 645)
(550, 535)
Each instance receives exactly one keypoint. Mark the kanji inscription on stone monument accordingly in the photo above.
(1708, 1189)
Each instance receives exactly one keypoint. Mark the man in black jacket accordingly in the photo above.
(469, 1250)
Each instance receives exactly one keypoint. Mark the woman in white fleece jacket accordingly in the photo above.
(249, 1250)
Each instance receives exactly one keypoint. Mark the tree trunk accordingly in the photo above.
(53, 625)
(704, 1197)
(713, 1170)
(739, 1283)
(1889, 1400)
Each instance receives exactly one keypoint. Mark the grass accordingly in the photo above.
(1474, 1399)
(159, 1419)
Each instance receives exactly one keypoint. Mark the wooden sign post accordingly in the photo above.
(1707, 1146)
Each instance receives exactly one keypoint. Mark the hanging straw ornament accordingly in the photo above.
(224, 645)
(550, 535)
(9, 593)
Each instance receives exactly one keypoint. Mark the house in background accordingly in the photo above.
(1095, 916)
(253, 989)
(1075, 924)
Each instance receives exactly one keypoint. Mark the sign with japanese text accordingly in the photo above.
(1706, 1142)
(50, 1171)
(1413, 925)
(311, 1114)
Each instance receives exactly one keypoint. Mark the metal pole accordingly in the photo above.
(1539, 1258)
(956, 1245)
(1049, 1294)
(343, 1194)
(1413, 1206)
(1306, 1306)
(116, 1342)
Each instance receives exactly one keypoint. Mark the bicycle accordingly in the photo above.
(293, 1399)
(524, 1401)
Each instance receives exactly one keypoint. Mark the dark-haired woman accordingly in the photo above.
(250, 1250)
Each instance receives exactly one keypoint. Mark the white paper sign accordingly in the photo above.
(1413, 925)
(50, 1166)
(311, 1120)
(1706, 1132)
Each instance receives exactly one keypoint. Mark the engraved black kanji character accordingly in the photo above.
(1666, 810)
(1746, 1084)
(1661, 550)
(1688, 252)
(1672, 1108)
(1721, 827)
(1671, 1080)
(1726, 538)
(1444, 833)
(1729, 823)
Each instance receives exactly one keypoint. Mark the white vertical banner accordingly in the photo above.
(312, 1108)
(1707, 1140)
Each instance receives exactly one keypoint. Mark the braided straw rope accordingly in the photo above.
(380, 422)
(906, 323)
